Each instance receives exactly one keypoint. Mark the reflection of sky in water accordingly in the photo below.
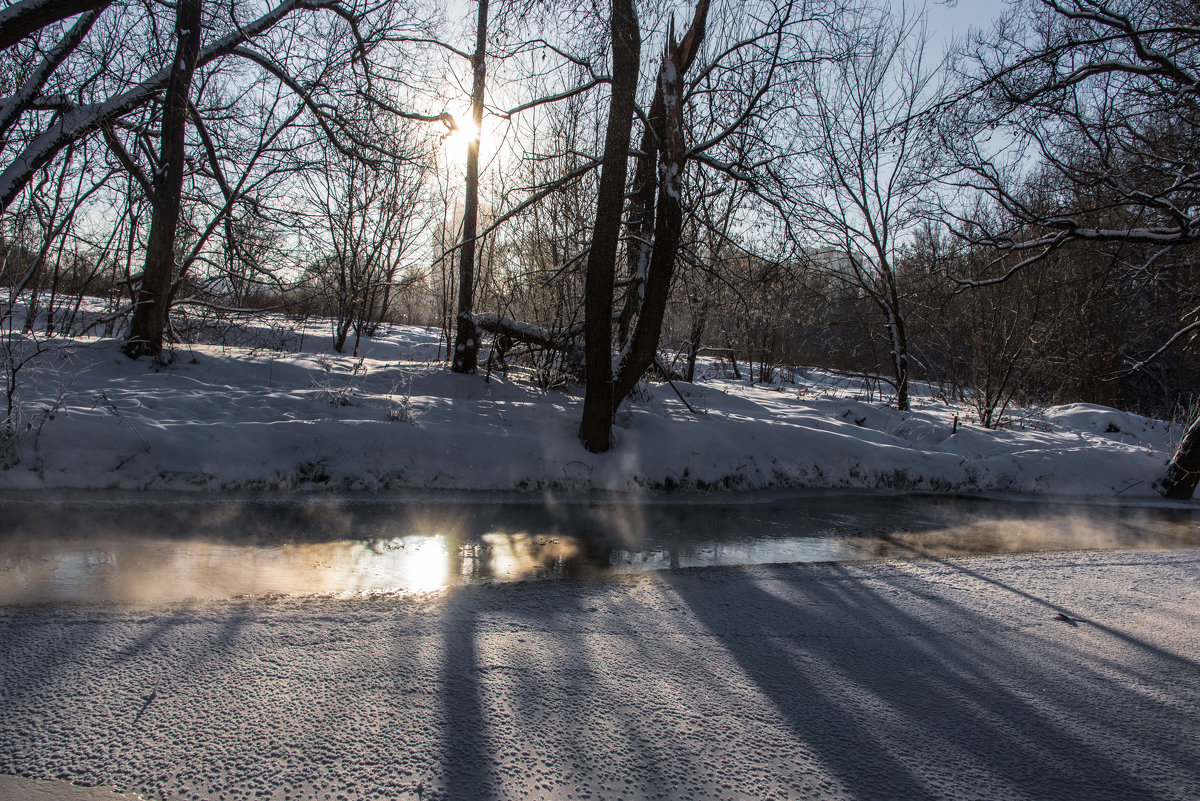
(757, 552)
(211, 552)
(171, 570)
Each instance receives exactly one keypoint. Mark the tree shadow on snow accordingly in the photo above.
(892, 707)
(531, 711)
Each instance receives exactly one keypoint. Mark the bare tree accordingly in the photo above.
(466, 338)
(1103, 93)
(863, 167)
(367, 219)
(734, 88)
(72, 121)
(98, 90)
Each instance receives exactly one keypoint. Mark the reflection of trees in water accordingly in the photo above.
(521, 555)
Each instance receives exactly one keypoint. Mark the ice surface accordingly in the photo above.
(1068, 676)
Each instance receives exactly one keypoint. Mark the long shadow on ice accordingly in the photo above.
(465, 754)
(894, 707)
(570, 706)
(1152, 651)
(527, 706)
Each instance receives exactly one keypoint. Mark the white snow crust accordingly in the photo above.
(282, 412)
(1064, 676)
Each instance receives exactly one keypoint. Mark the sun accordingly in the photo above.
(459, 139)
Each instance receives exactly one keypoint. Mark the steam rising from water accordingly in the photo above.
(158, 552)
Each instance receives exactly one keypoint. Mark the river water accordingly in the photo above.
(162, 548)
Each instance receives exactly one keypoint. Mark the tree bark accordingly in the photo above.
(595, 430)
(150, 310)
(898, 334)
(1183, 473)
(699, 323)
(639, 227)
(639, 353)
(466, 337)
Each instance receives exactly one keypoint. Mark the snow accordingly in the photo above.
(1036, 676)
(1018, 677)
(277, 410)
(18, 788)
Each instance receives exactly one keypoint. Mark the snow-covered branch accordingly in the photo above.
(87, 118)
(26, 17)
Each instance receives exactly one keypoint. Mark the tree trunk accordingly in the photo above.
(466, 337)
(1183, 473)
(639, 228)
(150, 310)
(341, 331)
(639, 354)
(611, 385)
(899, 337)
(643, 345)
(595, 430)
(641, 223)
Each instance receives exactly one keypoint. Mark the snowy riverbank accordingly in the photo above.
(954, 679)
(225, 417)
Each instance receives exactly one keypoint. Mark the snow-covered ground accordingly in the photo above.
(254, 416)
(1064, 676)
(1048, 676)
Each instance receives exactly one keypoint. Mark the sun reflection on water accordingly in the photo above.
(54, 555)
(519, 554)
(426, 565)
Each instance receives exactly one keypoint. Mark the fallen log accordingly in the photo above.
(563, 340)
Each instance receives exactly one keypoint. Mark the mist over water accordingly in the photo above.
(112, 548)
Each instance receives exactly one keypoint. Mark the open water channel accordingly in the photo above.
(161, 548)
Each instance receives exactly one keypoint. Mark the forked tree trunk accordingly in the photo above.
(595, 430)
(608, 385)
(640, 216)
(150, 310)
(1183, 473)
(639, 226)
(466, 337)
(639, 353)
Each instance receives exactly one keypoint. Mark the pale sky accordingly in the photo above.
(948, 20)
